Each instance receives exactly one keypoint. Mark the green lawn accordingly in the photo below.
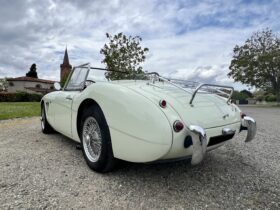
(10, 110)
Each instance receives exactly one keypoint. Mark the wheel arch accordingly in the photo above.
(85, 103)
(42, 103)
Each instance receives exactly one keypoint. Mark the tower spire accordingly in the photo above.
(65, 67)
(66, 58)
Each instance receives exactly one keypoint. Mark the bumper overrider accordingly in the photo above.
(199, 143)
(199, 140)
(249, 124)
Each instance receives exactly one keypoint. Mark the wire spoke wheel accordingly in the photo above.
(92, 139)
(95, 138)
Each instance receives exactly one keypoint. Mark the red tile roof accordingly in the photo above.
(30, 79)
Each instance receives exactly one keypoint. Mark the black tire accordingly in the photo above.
(45, 126)
(105, 161)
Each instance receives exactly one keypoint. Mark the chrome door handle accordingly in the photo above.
(69, 98)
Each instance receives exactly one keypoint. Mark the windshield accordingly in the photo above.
(97, 76)
(77, 79)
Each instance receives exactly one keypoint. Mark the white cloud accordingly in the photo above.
(189, 39)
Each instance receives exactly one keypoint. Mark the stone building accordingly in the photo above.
(29, 85)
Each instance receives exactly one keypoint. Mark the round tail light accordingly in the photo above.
(178, 126)
(162, 103)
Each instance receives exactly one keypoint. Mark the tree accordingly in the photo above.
(32, 72)
(123, 54)
(257, 62)
(63, 80)
(247, 93)
(3, 85)
(259, 95)
(238, 96)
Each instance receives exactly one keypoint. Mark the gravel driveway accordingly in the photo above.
(47, 171)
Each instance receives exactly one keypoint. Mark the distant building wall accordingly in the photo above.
(29, 86)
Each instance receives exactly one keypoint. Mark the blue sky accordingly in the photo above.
(187, 39)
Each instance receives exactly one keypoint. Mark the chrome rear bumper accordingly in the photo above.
(199, 140)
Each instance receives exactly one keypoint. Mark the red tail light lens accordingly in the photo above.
(178, 126)
(242, 115)
(162, 103)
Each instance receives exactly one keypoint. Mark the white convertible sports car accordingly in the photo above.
(147, 120)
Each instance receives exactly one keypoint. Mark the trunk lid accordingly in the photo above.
(208, 110)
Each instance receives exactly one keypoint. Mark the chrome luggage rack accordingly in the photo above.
(222, 90)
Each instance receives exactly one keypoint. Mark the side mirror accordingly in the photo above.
(57, 86)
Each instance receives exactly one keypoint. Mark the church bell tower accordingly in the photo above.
(65, 67)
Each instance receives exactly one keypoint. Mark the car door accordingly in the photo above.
(63, 112)
(64, 100)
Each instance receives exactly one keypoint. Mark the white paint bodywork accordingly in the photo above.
(142, 131)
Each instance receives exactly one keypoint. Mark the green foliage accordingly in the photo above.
(257, 62)
(19, 97)
(63, 80)
(259, 95)
(32, 72)
(19, 109)
(270, 98)
(123, 54)
(3, 84)
(247, 93)
(239, 96)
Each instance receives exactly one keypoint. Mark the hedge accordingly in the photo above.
(20, 97)
(270, 98)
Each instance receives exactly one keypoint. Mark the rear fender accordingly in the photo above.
(140, 131)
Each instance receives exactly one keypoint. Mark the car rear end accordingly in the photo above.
(200, 123)
(210, 120)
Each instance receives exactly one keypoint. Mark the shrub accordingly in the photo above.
(270, 98)
(20, 97)
(239, 96)
(260, 98)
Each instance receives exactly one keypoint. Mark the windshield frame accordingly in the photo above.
(84, 66)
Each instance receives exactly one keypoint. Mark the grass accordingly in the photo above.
(9, 110)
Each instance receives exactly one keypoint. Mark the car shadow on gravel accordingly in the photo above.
(215, 163)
